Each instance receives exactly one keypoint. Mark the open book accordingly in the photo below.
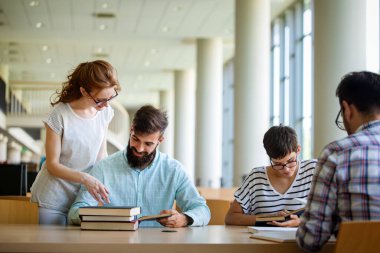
(154, 217)
(279, 218)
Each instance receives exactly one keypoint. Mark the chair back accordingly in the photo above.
(218, 209)
(358, 236)
(18, 210)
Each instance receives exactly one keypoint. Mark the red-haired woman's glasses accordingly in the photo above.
(103, 101)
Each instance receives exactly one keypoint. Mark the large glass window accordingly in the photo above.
(291, 72)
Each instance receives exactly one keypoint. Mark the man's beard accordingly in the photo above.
(139, 162)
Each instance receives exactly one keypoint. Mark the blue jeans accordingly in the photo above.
(51, 217)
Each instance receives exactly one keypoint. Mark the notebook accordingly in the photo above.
(256, 229)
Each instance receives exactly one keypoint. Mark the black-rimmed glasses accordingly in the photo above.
(103, 101)
(338, 122)
(289, 165)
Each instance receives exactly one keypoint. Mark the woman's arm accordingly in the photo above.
(236, 216)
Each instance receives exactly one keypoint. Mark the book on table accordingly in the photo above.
(107, 218)
(122, 218)
(258, 229)
(110, 210)
(110, 225)
(113, 218)
(267, 218)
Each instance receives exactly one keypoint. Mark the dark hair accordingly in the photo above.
(279, 141)
(148, 120)
(361, 89)
(89, 75)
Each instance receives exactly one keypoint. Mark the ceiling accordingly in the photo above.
(41, 41)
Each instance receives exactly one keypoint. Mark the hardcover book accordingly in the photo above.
(107, 218)
(110, 210)
(260, 219)
(108, 225)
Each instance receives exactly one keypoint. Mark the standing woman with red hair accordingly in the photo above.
(76, 130)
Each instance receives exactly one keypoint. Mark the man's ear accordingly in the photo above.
(161, 139)
(349, 110)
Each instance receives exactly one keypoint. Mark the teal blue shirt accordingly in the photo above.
(153, 189)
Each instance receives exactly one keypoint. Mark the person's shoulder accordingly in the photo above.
(256, 173)
(169, 161)
(111, 160)
(58, 108)
(258, 170)
(309, 163)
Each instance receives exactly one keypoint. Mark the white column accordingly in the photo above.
(14, 153)
(343, 43)
(184, 139)
(3, 148)
(4, 74)
(167, 104)
(252, 84)
(208, 158)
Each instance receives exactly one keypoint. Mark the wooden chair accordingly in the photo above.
(18, 210)
(358, 236)
(218, 209)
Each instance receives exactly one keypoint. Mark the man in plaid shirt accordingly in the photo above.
(346, 183)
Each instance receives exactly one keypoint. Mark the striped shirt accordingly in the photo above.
(346, 187)
(257, 195)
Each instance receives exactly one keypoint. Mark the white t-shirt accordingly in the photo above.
(82, 139)
(257, 195)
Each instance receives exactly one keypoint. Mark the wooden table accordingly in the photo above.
(220, 239)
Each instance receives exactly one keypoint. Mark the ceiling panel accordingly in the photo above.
(144, 39)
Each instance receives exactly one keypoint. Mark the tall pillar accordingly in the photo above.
(167, 104)
(184, 100)
(252, 85)
(208, 158)
(345, 40)
(4, 75)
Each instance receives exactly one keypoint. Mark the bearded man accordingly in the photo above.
(142, 176)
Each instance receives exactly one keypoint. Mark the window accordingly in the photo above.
(291, 72)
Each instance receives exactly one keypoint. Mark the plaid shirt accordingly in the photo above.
(346, 186)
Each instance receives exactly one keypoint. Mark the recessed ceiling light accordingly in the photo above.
(44, 48)
(13, 51)
(102, 27)
(34, 3)
(165, 29)
(177, 8)
(105, 5)
(147, 63)
(48, 60)
(99, 50)
(104, 15)
(38, 25)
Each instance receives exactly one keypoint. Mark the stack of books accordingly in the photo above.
(113, 217)
(109, 217)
